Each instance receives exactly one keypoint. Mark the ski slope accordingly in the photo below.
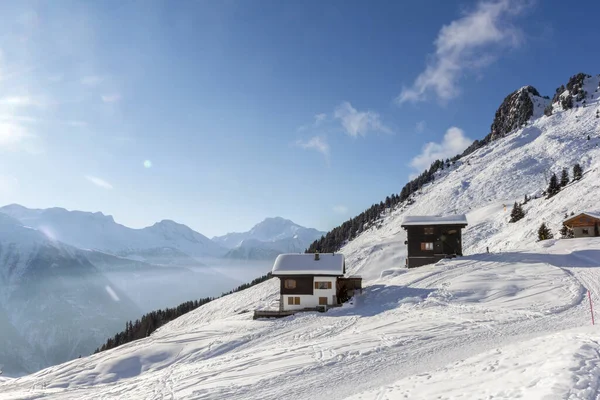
(507, 317)
(511, 323)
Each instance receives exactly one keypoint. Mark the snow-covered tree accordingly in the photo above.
(564, 178)
(544, 233)
(553, 187)
(517, 213)
(566, 232)
(577, 172)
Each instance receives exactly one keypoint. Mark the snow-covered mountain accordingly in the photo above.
(97, 231)
(54, 304)
(512, 323)
(268, 239)
(57, 297)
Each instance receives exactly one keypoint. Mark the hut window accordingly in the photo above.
(585, 232)
(429, 230)
(452, 232)
(426, 246)
(289, 284)
(293, 301)
(322, 285)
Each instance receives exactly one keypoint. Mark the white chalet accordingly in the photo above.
(308, 280)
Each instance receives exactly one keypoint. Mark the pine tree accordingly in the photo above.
(517, 213)
(544, 233)
(577, 172)
(553, 187)
(526, 200)
(566, 232)
(564, 178)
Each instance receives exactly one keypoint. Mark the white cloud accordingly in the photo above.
(453, 143)
(340, 209)
(420, 126)
(320, 118)
(317, 143)
(91, 80)
(359, 122)
(111, 98)
(468, 43)
(99, 182)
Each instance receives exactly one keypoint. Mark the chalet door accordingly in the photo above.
(322, 301)
(438, 247)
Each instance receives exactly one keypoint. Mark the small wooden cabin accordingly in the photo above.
(311, 281)
(431, 238)
(584, 224)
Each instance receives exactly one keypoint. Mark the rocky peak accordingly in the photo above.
(573, 91)
(515, 110)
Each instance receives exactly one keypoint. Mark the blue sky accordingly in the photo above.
(219, 114)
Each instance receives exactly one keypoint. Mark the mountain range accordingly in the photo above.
(70, 279)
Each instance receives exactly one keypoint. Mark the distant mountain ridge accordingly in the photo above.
(96, 231)
(268, 239)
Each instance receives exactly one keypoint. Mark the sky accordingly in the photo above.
(218, 114)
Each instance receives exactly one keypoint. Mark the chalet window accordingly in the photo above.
(289, 284)
(429, 230)
(452, 232)
(322, 285)
(322, 301)
(426, 246)
(585, 231)
(293, 301)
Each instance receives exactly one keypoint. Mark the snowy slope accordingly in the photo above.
(268, 239)
(512, 323)
(461, 323)
(100, 232)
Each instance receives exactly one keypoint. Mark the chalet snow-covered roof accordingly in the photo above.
(307, 264)
(594, 215)
(417, 220)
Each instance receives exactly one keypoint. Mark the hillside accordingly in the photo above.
(471, 319)
(512, 323)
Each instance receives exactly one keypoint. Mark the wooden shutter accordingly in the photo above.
(297, 301)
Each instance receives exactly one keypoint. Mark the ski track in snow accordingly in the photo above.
(512, 323)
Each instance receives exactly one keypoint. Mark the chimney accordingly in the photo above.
(316, 256)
